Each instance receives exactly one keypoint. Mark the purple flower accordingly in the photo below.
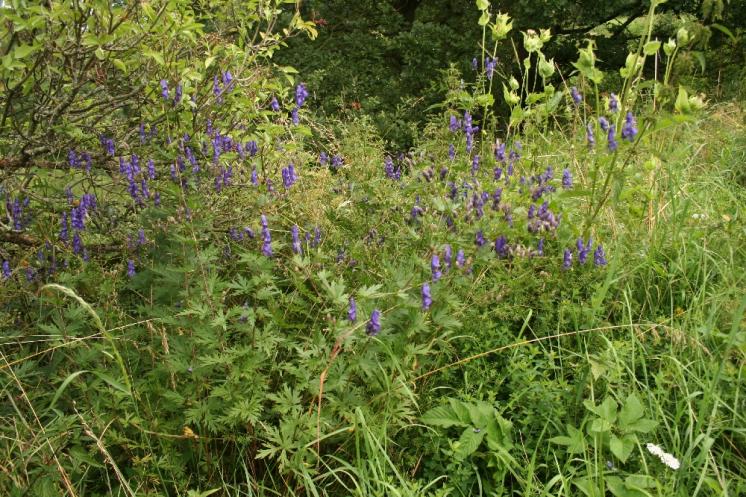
(336, 161)
(479, 238)
(72, 159)
(629, 128)
(252, 148)
(142, 133)
(300, 94)
(141, 240)
(157, 199)
(460, 258)
(63, 227)
(323, 158)
(254, 179)
(454, 125)
(151, 167)
(475, 165)
(613, 103)
(216, 88)
(583, 250)
(540, 247)
(490, 65)
(7, 273)
(435, 267)
(274, 104)
(566, 178)
(108, 145)
(30, 274)
(451, 151)
(567, 259)
(374, 325)
(427, 299)
(130, 268)
(178, 93)
(447, 256)
(77, 244)
(296, 240)
(352, 310)
(294, 116)
(599, 257)
(164, 89)
(604, 123)
(613, 143)
(576, 96)
(500, 153)
(474, 64)
(589, 136)
(77, 218)
(501, 246)
(249, 232)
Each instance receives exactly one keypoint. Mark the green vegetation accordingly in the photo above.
(214, 284)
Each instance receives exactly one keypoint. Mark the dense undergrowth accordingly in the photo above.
(235, 301)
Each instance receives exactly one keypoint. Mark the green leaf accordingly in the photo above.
(599, 425)
(468, 442)
(119, 64)
(575, 441)
(23, 51)
(606, 410)
(631, 411)
(442, 416)
(622, 447)
(643, 425)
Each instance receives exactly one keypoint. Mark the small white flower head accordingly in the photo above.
(666, 458)
(654, 449)
(670, 461)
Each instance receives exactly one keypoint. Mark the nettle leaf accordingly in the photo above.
(468, 442)
(442, 416)
(622, 447)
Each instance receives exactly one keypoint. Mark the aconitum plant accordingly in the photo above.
(427, 299)
(435, 267)
(567, 259)
(577, 97)
(352, 310)
(629, 128)
(374, 324)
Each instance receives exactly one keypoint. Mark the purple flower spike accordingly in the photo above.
(590, 137)
(254, 178)
(540, 248)
(427, 299)
(501, 246)
(629, 128)
(451, 151)
(454, 124)
(447, 257)
(352, 310)
(164, 89)
(294, 115)
(613, 143)
(576, 96)
(460, 258)
(131, 268)
(479, 238)
(296, 240)
(435, 267)
(63, 228)
(613, 103)
(566, 179)
(300, 94)
(323, 158)
(274, 105)
(599, 257)
(374, 325)
(177, 95)
(7, 273)
(567, 259)
(604, 123)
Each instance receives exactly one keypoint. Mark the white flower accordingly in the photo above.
(666, 458)
(670, 461)
(655, 450)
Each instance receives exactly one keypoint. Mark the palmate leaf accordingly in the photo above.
(574, 441)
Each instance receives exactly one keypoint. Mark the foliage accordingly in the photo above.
(542, 297)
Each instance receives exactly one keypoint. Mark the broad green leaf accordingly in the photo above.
(631, 411)
(622, 447)
(442, 416)
(468, 442)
